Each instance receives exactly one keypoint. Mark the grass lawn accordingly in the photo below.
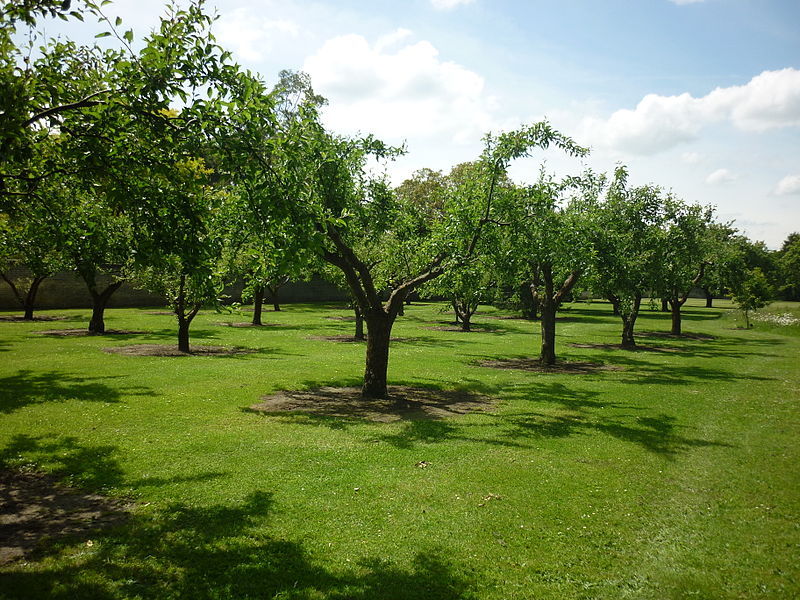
(675, 476)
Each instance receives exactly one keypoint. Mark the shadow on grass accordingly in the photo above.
(94, 467)
(585, 412)
(28, 387)
(225, 551)
(556, 411)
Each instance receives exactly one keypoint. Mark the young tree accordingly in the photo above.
(468, 284)
(28, 254)
(685, 253)
(752, 293)
(626, 245)
(188, 268)
(547, 243)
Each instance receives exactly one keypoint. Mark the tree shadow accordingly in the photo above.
(646, 373)
(226, 551)
(561, 412)
(26, 388)
(586, 414)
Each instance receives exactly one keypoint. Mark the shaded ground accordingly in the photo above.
(19, 318)
(85, 332)
(348, 338)
(475, 327)
(638, 348)
(340, 318)
(668, 335)
(344, 338)
(225, 324)
(172, 350)
(532, 364)
(35, 509)
(404, 403)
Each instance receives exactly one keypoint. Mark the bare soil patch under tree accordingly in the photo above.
(35, 509)
(172, 350)
(404, 403)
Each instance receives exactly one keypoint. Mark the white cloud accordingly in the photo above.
(720, 176)
(768, 101)
(251, 37)
(449, 4)
(692, 158)
(398, 93)
(682, 2)
(789, 185)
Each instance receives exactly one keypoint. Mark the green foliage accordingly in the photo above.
(788, 259)
(752, 293)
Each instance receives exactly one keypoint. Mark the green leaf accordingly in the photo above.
(103, 34)
(128, 35)
(118, 21)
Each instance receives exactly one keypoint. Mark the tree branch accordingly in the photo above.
(56, 110)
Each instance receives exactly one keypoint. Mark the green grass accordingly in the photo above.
(676, 477)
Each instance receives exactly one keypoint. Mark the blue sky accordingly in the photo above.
(701, 97)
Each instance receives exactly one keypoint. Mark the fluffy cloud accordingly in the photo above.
(682, 2)
(249, 36)
(720, 176)
(398, 91)
(789, 185)
(768, 101)
(448, 4)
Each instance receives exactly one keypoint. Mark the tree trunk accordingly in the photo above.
(183, 333)
(465, 322)
(628, 322)
(359, 335)
(30, 297)
(97, 324)
(709, 298)
(664, 305)
(548, 321)
(273, 292)
(675, 305)
(258, 304)
(531, 307)
(627, 333)
(379, 330)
